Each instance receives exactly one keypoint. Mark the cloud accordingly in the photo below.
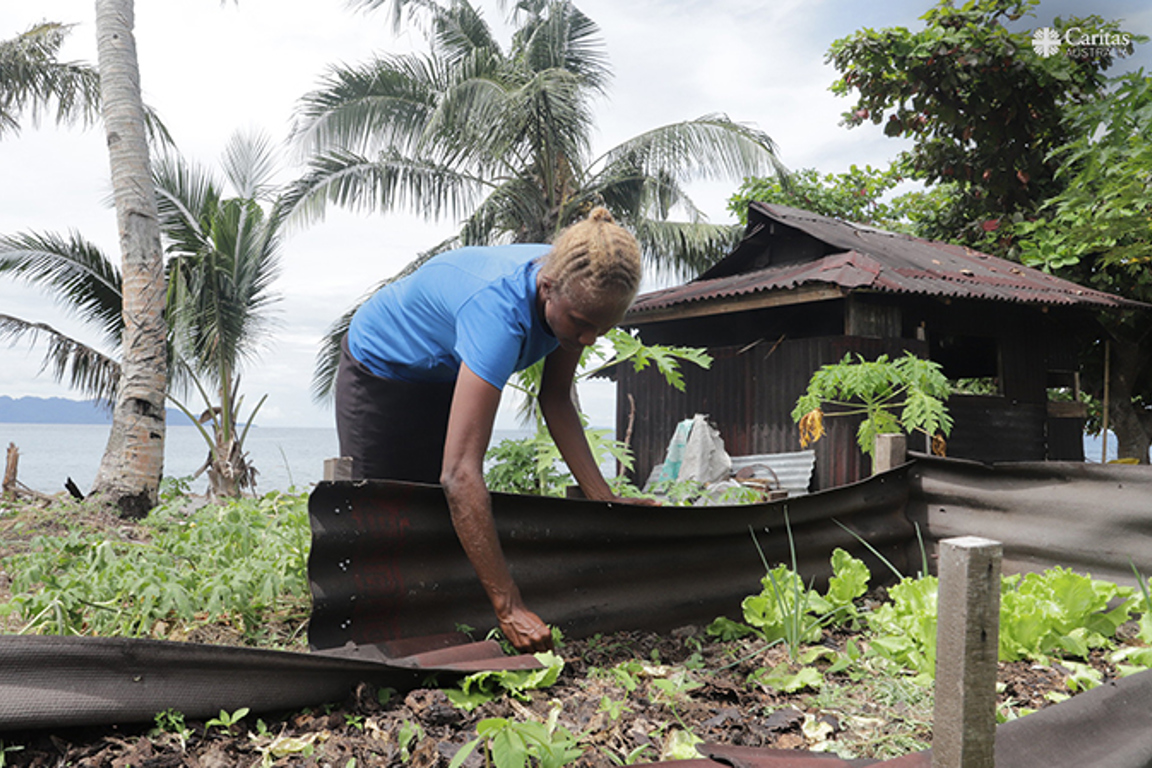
(213, 69)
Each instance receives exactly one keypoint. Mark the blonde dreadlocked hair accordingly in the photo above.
(597, 257)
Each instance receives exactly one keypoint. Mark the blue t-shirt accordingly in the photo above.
(475, 305)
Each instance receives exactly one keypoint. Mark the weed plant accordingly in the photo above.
(241, 565)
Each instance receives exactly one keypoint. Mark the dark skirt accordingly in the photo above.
(392, 430)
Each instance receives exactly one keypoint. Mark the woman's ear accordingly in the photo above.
(547, 286)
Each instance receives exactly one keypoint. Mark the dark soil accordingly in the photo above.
(421, 728)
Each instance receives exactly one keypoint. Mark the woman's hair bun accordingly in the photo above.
(600, 213)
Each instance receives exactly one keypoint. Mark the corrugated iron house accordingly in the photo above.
(801, 290)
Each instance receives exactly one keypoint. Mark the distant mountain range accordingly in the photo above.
(60, 410)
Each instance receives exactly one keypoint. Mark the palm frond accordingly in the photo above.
(684, 249)
(397, 10)
(34, 80)
(392, 181)
(459, 31)
(81, 277)
(384, 103)
(564, 39)
(515, 212)
(250, 165)
(85, 368)
(186, 195)
(711, 147)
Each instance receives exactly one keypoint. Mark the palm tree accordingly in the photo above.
(32, 80)
(129, 473)
(222, 259)
(502, 139)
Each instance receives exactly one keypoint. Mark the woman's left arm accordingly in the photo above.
(564, 423)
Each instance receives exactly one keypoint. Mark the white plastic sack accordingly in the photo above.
(696, 452)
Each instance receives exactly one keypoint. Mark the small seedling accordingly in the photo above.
(5, 749)
(629, 758)
(225, 721)
(172, 721)
(410, 733)
(509, 744)
(614, 708)
(671, 688)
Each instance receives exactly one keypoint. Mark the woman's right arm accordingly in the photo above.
(470, 422)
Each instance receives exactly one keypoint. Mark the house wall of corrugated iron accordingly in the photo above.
(749, 393)
(754, 383)
(996, 429)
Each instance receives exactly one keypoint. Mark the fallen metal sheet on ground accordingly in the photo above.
(49, 681)
(386, 563)
(753, 757)
(1107, 727)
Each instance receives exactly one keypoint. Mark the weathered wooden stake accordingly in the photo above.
(967, 648)
(338, 469)
(891, 451)
(11, 462)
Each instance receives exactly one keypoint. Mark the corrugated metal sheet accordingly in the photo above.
(60, 682)
(386, 564)
(877, 260)
(993, 429)
(792, 472)
(389, 548)
(1092, 518)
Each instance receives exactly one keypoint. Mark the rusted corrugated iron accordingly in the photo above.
(58, 682)
(863, 257)
(1093, 518)
(386, 564)
(993, 429)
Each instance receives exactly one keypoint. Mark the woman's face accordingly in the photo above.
(575, 318)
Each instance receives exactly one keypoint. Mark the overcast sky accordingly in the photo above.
(211, 69)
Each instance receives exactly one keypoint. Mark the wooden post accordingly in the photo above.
(12, 460)
(338, 469)
(891, 451)
(1107, 403)
(967, 649)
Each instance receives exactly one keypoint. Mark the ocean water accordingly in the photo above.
(285, 457)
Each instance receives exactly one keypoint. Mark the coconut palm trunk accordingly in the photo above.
(129, 474)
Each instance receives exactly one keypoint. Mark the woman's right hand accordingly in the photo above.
(525, 630)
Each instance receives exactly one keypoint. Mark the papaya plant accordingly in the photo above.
(902, 395)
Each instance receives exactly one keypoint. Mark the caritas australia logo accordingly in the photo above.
(1078, 43)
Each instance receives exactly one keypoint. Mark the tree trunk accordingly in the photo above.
(129, 474)
(1131, 423)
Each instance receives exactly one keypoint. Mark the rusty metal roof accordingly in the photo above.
(859, 257)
